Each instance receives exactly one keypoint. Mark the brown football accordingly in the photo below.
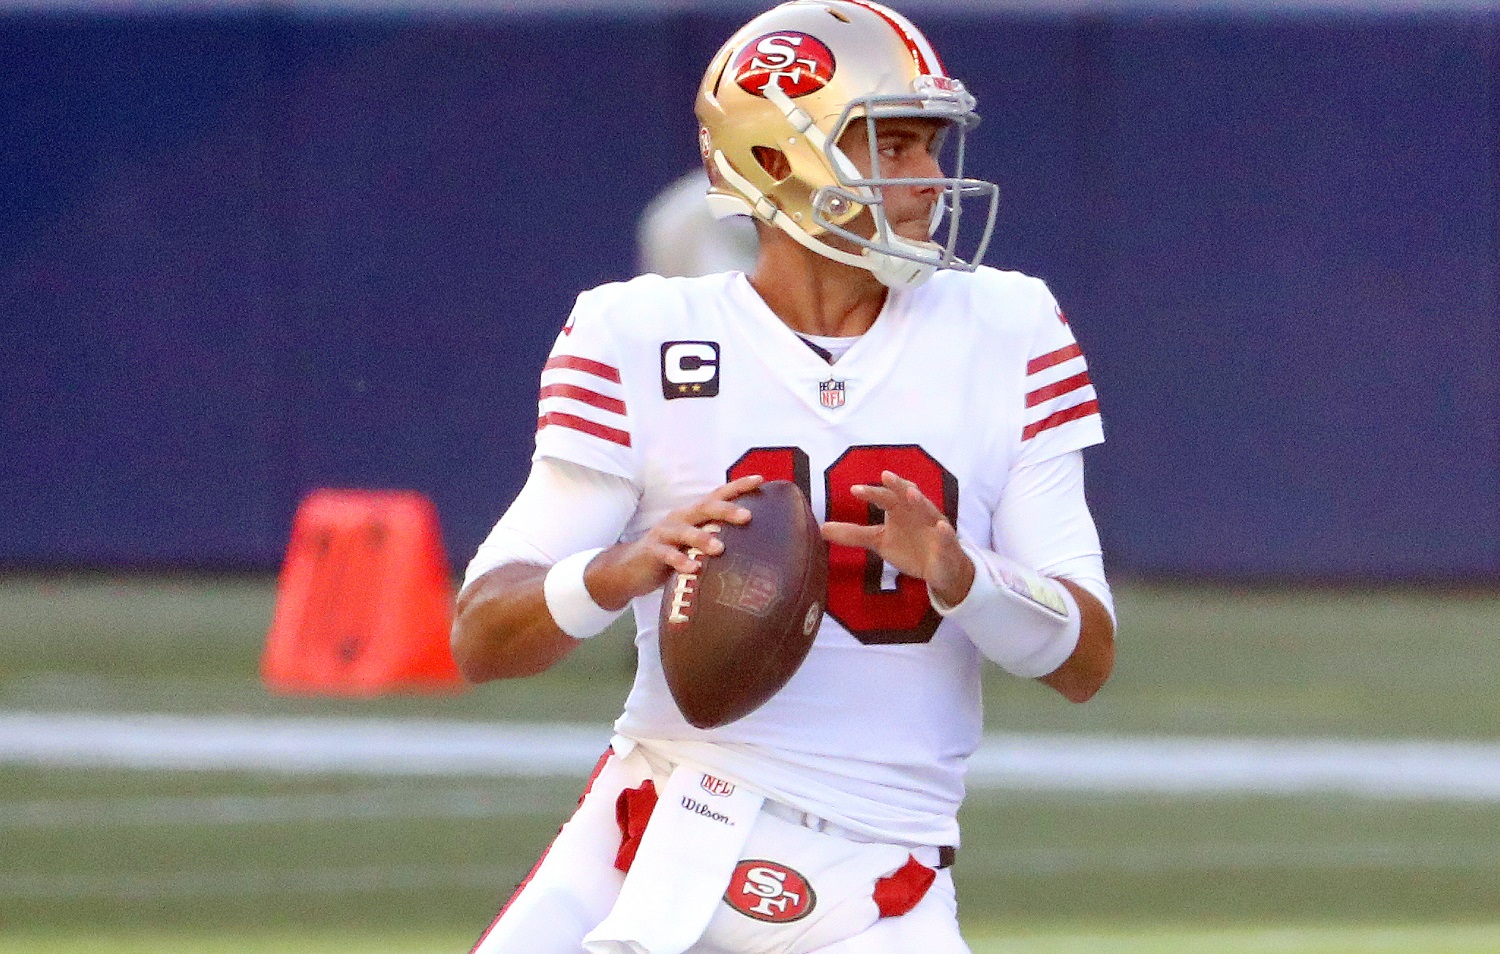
(733, 633)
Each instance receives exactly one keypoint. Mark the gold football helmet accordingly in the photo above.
(793, 79)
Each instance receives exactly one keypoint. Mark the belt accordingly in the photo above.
(947, 855)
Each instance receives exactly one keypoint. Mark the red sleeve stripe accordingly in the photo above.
(1054, 357)
(612, 434)
(592, 398)
(1058, 389)
(1061, 417)
(597, 368)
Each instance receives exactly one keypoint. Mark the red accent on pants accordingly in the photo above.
(899, 892)
(632, 810)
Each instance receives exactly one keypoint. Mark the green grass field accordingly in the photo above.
(1343, 939)
(128, 861)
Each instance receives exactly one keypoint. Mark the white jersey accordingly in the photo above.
(680, 384)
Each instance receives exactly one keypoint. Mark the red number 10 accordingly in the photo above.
(857, 598)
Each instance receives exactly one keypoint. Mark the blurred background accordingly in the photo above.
(252, 249)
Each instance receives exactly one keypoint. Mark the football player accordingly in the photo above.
(933, 410)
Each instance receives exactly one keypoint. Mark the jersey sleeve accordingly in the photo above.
(1062, 407)
(562, 509)
(1043, 522)
(582, 413)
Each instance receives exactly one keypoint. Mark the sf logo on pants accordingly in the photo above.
(767, 891)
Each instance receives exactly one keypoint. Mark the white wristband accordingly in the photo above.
(568, 600)
(1020, 619)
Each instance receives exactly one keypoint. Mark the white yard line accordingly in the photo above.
(1408, 769)
(381, 747)
(1448, 771)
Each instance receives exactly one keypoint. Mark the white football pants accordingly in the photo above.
(575, 883)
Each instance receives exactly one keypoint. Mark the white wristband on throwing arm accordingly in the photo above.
(1020, 619)
(568, 600)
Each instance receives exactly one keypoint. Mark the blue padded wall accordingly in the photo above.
(245, 256)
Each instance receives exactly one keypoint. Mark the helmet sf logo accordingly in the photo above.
(796, 62)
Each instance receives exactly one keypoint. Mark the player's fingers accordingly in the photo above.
(716, 504)
(686, 534)
(909, 495)
(707, 540)
(723, 510)
(734, 488)
(903, 504)
(675, 558)
(923, 504)
(706, 509)
(895, 481)
(945, 533)
(905, 489)
(851, 535)
(882, 497)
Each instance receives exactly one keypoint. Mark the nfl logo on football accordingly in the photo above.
(831, 393)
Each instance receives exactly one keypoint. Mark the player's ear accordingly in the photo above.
(774, 161)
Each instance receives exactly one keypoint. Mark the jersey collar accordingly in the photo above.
(862, 368)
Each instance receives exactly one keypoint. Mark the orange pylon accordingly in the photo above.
(364, 604)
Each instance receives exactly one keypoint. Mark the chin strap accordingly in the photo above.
(893, 271)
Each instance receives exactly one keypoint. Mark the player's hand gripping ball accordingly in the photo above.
(736, 631)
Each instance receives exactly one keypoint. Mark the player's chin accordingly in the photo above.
(914, 230)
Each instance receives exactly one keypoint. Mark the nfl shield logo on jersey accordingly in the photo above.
(831, 393)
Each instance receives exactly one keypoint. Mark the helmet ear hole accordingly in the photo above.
(773, 161)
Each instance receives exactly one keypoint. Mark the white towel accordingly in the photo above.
(687, 855)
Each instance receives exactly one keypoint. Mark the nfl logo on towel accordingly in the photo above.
(716, 786)
(831, 393)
